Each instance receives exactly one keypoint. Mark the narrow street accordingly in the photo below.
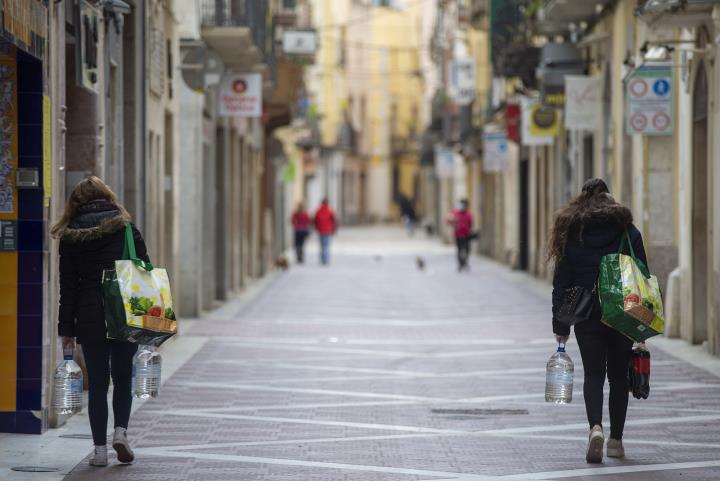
(372, 369)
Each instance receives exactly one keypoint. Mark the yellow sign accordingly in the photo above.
(47, 151)
(544, 121)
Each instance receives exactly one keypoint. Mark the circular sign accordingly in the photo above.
(638, 87)
(544, 117)
(661, 121)
(661, 87)
(638, 121)
(239, 86)
(503, 146)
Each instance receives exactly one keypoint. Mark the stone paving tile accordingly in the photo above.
(367, 371)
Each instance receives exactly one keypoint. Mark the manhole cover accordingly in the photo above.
(76, 436)
(34, 469)
(481, 412)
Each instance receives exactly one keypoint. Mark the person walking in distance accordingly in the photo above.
(326, 226)
(92, 237)
(591, 226)
(461, 221)
(301, 225)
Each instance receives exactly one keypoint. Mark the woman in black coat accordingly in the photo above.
(590, 227)
(92, 237)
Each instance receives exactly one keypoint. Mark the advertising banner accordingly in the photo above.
(241, 95)
(583, 102)
(444, 162)
(462, 81)
(495, 151)
(529, 135)
(649, 95)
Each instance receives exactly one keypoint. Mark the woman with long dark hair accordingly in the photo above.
(591, 226)
(91, 233)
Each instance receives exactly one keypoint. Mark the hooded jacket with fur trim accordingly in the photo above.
(580, 265)
(91, 243)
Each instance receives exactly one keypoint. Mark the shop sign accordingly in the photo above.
(462, 81)
(553, 95)
(86, 45)
(544, 121)
(24, 23)
(512, 122)
(650, 100)
(299, 42)
(527, 106)
(444, 162)
(583, 106)
(241, 95)
(496, 150)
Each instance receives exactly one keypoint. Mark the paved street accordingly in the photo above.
(373, 370)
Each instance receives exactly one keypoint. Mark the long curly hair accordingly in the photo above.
(89, 189)
(593, 203)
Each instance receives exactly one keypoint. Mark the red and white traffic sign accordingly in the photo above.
(661, 121)
(639, 87)
(638, 121)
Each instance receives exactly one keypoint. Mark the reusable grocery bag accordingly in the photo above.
(137, 299)
(630, 296)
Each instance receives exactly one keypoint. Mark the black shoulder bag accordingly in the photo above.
(577, 305)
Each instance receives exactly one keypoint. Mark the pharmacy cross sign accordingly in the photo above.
(649, 97)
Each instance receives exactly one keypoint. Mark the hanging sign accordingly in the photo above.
(241, 95)
(650, 100)
(462, 81)
(544, 121)
(527, 105)
(495, 151)
(444, 162)
(583, 105)
(299, 42)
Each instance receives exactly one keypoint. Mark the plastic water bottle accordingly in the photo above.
(68, 386)
(147, 365)
(559, 377)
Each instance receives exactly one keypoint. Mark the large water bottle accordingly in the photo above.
(559, 377)
(68, 386)
(147, 365)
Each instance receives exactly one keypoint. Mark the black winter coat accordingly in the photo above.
(580, 266)
(91, 243)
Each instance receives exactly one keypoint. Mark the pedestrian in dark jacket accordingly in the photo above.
(301, 225)
(91, 234)
(590, 227)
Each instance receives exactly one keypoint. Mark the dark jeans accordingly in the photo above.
(300, 236)
(604, 350)
(102, 360)
(463, 251)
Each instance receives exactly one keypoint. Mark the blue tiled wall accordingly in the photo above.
(31, 231)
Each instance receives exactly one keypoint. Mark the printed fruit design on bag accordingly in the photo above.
(144, 306)
(641, 296)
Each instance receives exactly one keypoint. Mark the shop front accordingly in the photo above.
(24, 196)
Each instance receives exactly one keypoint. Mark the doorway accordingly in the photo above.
(700, 261)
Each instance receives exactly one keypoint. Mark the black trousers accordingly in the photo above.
(103, 360)
(463, 250)
(604, 351)
(300, 237)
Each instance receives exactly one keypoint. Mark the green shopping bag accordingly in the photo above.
(629, 296)
(137, 299)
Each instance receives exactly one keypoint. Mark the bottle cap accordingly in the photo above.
(68, 354)
(561, 347)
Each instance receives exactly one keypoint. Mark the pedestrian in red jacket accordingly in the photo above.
(326, 225)
(462, 222)
(301, 225)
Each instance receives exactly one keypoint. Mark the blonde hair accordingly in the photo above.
(88, 190)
